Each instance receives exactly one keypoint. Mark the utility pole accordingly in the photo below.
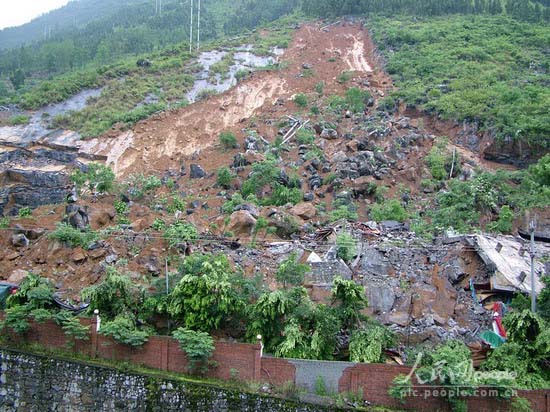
(199, 27)
(533, 295)
(191, 29)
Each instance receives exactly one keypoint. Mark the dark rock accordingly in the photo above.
(19, 240)
(329, 134)
(77, 216)
(381, 297)
(308, 197)
(374, 262)
(239, 160)
(249, 207)
(315, 182)
(392, 225)
(196, 171)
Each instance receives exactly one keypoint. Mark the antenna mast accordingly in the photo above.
(199, 27)
(191, 29)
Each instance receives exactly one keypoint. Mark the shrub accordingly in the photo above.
(123, 329)
(388, 210)
(301, 100)
(205, 295)
(504, 223)
(24, 212)
(4, 222)
(305, 136)
(367, 345)
(228, 140)
(356, 99)
(139, 185)
(346, 246)
(19, 120)
(98, 178)
(180, 232)
(344, 77)
(224, 177)
(115, 295)
(291, 272)
(282, 195)
(74, 237)
(198, 347)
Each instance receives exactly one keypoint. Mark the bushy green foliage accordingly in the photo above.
(74, 237)
(351, 300)
(305, 136)
(228, 140)
(123, 329)
(301, 100)
(115, 295)
(472, 71)
(224, 176)
(388, 210)
(24, 212)
(18, 120)
(346, 246)
(35, 292)
(16, 319)
(73, 328)
(368, 344)
(290, 272)
(526, 351)
(198, 347)
(441, 162)
(4, 222)
(180, 232)
(356, 99)
(347, 212)
(205, 295)
(282, 195)
(504, 222)
(98, 178)
(138, 185)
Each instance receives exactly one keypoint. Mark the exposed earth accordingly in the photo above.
(420, 288)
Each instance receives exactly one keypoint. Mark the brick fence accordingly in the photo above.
(244, 362)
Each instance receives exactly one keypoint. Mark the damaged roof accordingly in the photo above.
(509, 261)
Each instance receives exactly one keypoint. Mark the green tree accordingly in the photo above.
(198, 347)
(290, 272)
(205, 296)
(17, 79)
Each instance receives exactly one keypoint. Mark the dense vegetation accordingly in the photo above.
(521, 9)
(489, 70)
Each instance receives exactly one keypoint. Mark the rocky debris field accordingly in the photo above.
(420, 288)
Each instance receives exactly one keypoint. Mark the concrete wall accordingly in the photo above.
(38, 384)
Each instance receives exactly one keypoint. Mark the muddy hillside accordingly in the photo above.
(301, 120)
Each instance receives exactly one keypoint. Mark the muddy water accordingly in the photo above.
(243, 59)
(38, 127)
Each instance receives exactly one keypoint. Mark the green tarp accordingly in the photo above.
(492, 338)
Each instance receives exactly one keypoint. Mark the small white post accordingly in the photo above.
(97, 320)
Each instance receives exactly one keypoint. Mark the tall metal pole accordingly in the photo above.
(533, 296)
(199, 27)
(191, 29)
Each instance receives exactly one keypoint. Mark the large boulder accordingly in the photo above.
(304, 211)
(196, 172)
(77, 216)
(241, 223)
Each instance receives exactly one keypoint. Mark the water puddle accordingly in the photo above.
(243, 59)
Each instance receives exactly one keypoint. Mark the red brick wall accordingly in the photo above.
(277, 371)
(163, 352)
(375, 380)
